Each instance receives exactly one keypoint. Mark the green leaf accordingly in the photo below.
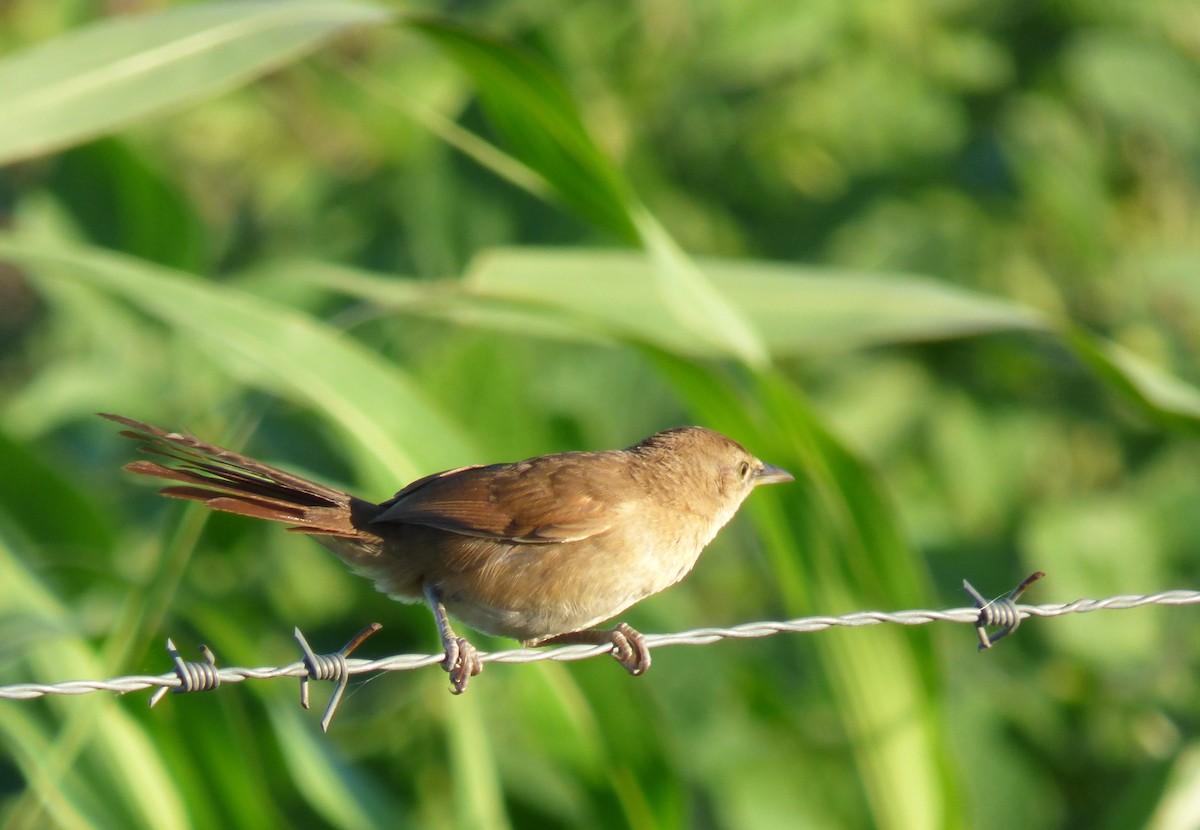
(604, 295)
(144, 213)
(695, 303)
(536, 114)
(835, 547)
(342, 796)
(806, 310)
(796, 309)
(443, 300)
(95, 758)
(1158, 395)
(478, 800)
(397, 433)
(37, 496)
(537, 117)
(98, 79)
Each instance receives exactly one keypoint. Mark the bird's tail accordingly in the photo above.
(228, 481)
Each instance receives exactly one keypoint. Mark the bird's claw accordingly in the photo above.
(630, 649)
(462, 663)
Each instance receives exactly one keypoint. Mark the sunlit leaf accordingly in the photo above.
(797, 309)
(105, 76)
(537, 117)
(397, 433)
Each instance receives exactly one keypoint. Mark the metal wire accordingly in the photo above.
(696, 637)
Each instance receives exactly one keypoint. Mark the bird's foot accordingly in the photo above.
(628, 645)
(462, 663)
(630, 649)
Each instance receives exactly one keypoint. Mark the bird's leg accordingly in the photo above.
(629, 646)
(462, 660)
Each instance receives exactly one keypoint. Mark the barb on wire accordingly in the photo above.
(193, 677)
(338, 667)
(1001, 611)
(329, 667)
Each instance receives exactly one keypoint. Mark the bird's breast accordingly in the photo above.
(529, 591)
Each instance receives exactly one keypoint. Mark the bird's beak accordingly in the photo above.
(770, 474)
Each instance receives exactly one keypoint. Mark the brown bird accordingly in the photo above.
(539, 550)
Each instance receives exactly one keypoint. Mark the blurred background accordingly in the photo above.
(940, 260)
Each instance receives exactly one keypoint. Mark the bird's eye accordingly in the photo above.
(745, 469)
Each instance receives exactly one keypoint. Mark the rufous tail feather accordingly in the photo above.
(228, 481)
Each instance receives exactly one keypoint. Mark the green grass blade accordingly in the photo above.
(695, 303)
(98, 79)
(797, 309)
(604, 295)
(805, 310)
(94, 745)
(1155, 393)
(397, 433)
(539, 119)
(535, 114)
(339, 795)
(838, 546)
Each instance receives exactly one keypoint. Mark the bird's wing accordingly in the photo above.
(542, 500)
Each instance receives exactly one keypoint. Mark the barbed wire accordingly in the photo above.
(192, 677)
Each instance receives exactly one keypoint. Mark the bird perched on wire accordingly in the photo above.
(540, 550)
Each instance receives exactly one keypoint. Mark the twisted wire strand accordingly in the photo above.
(695, 637)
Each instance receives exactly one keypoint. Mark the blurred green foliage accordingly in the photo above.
(941, 260)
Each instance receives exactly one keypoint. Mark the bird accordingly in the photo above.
(540, 550)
